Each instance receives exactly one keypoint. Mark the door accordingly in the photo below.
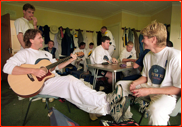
(115, 32)
(6, 48)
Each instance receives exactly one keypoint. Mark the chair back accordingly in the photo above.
(90, 69)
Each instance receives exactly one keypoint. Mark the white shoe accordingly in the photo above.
(20, 98)
(43, 99)
(94, 116)
(51, 99)
(118, 110)
(115, 96)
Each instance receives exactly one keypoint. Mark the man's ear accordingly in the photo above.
(31, 40)
(23, 11)
(154, 40)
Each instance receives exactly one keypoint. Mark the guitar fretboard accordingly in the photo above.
(58, 62)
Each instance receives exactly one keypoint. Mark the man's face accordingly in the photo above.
(103, 30)
(37, 42)
(28, 14)
(106, 44)
(147, 42)
(129, 48)
(91, 46)
(82, 46)
(50, 45)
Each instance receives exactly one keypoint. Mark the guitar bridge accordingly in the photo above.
(30, 77)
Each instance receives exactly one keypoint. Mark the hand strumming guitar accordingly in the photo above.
(40, 72)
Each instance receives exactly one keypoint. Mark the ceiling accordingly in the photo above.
(100, 9)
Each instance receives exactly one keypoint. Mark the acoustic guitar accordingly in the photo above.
(29, 85)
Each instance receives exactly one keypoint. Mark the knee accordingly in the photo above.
(109, 75)
(154, 111)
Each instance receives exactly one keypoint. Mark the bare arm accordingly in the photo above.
(170, 90)
(35, 71)
(135, 65)
(20, 38)
(140, 80)
(128, 60)
(64, 64)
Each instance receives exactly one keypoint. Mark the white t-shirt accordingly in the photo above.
(27, 56)
(109, 34)
(99, 55)
(89, 51)
(81, 57)
(128, 55)
(22, 25)
(163, 68)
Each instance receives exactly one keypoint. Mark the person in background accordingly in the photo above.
(169, 44)
(139, 61)
(112, 45)
(128, 54)
(161, 75)
(52, 49)
(90, 49)
(81, 60)
(68, 87)
(22, 24)
(101, 55)
(55, 54)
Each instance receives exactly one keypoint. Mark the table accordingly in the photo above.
(110, 67)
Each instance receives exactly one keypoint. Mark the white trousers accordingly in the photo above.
(111, 50)
(76, 92)
(160, 106)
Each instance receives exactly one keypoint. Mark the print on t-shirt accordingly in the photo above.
(129, 56)
(106, 58)
(156, 74)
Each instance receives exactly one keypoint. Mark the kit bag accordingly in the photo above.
(59, 119)
(126, 122)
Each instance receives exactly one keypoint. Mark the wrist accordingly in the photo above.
(150, 90)
(32, 71)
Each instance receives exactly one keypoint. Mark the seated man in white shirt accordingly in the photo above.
(90, 49)
(108, 33)
(101, 55)
(80, 60)
(128, 54)
(161, 75)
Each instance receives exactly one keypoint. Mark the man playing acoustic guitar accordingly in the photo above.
(25, 62)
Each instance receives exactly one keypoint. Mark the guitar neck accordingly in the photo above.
(58, 62)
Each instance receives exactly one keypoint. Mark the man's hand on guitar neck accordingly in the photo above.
(74, 57)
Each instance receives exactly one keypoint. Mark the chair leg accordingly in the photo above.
(27, 111)
(68, 106)
(47, 103)
(141, 118)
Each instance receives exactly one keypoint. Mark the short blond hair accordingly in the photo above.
(158, 30)
(129, 43)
